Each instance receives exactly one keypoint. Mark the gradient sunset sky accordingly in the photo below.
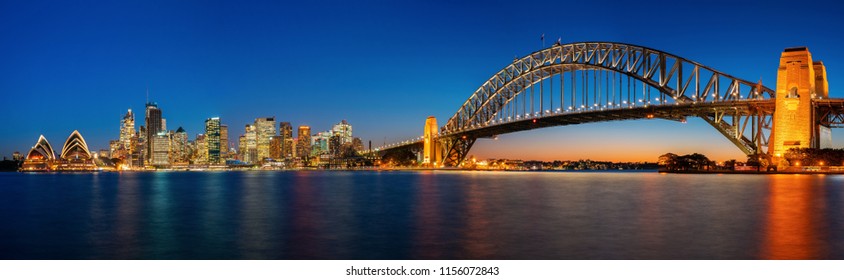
(382, 65)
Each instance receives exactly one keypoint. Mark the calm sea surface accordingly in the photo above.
(420, 215)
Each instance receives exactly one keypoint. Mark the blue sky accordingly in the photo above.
(382, 65)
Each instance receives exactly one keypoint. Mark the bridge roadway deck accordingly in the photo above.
(833, 107)
(666, 111)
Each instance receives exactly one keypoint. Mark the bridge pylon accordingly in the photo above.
(799, 81)
(431, 152)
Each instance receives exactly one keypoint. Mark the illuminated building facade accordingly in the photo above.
(153, 126)
(286, 132)
(128, 138)
(161, 150)
(224, 142)
(344, 130)
(275, 147)
(201, 152)
(303, 143)
(250, 152)
(264, 129)
(179, 146)
(212, 140)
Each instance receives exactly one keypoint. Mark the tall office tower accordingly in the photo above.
(251, 155)
(180, 146)
(201, 150)
(224, 142)
(344, 130)
(153, 127)
(212, 139)
(286, 132)
(161, 150)
(241, 148)
(264, 129)
(127, 137)
(275, 147)
(141, 148)
(321, 143)
(303, 143)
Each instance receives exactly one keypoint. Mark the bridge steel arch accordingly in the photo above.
(720, 99)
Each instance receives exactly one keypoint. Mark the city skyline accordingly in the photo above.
(382, 103)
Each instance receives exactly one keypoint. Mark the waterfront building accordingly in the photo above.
(344, 130)
(115, 149)
(286, 132)
(212, 139)
(224, 142)
(128, 138)
(75, 155)
(275, 147)
(320, 143)
(251, 152)
(160, 150)
(179, 146)
(153, 124)
(241, 148)
(264, 129)
(201, 155)
(303, 143)
(17, 156)
(40, 157)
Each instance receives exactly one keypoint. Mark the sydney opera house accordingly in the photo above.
(75, 156)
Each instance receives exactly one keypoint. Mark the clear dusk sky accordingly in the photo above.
(382, 65)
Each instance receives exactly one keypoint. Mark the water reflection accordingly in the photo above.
(792, 219)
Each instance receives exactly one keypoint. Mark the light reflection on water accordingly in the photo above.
(420, 215)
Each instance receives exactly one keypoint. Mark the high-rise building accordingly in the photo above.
(264, 129)
(275, 147)
(303, 145)
(357, 144)
(321, 143)
(344, 130)
(153, 126)
(212, 139)
(224, 142)
(160, 149)
(251, 153)
(201, 150)
(128, 138)
(180, 148)
(286, 132)
(241, 148)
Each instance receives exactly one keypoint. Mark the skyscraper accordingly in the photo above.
(180, 146)
(286, 132)
(153, 127)
(224, 142)
(201, 150)
(344, 130)
(275, 147)
(264, 129)
(212, 139)
(303, 145)
(160, 149)
(128, 138)
(241, 148)
(251, 155)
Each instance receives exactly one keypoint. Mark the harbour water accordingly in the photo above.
(420, 215)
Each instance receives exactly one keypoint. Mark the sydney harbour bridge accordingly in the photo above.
(588, 82)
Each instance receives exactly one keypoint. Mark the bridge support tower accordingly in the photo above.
(431, 152)
(799, 81)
